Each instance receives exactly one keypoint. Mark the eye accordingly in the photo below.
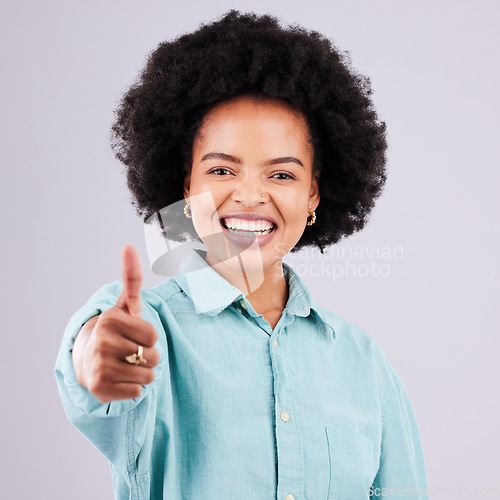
(287, 176)
(218, 169)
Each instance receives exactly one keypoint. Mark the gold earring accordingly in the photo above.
(186, 208)
(312, 214)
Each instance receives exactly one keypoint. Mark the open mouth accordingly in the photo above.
(247, 228)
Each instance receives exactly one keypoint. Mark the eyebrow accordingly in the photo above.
(234, 159)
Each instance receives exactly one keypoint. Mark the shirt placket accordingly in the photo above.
(289, 443)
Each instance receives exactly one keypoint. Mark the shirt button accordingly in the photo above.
(275, 343)
(242, 302)
(239, 310)
(284, 416)
(290, 497)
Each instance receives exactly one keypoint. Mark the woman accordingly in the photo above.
(228, 380)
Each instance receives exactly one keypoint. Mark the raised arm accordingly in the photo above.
(105, 341)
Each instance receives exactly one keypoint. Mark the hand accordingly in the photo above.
(105, 341)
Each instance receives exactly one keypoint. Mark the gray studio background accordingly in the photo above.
(422, 278)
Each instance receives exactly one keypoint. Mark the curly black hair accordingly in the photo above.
(160, 115)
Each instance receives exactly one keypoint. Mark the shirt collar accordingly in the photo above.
(300, 300)
(211, 293)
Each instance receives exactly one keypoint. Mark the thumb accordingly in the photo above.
(130, 298)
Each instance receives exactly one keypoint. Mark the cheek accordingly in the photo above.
(297, 201)
(204, 183)
(196, 184)
(295, 212)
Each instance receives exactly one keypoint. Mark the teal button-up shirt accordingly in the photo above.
(310, 410)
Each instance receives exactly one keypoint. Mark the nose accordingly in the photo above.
(249, 193)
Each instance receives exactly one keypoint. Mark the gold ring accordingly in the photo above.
(137, 358)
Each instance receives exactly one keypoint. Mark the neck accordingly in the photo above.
(266, 289)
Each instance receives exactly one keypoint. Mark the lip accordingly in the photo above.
(249, 216)
(245, 241)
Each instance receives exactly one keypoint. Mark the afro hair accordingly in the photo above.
(157, 120)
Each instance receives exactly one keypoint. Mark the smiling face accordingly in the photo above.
(247, 147)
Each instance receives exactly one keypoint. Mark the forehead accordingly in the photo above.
(271, 121)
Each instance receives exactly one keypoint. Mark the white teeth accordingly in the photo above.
(236, 231)
(246, 225)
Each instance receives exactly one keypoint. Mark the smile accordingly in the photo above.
(243, 226)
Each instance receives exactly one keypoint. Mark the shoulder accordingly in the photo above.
(158, 303)
(164, 292)
(167, 292)
(347, 332)
(354, 341)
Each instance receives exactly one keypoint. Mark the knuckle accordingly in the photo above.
(106, 317)
(102, 377)
(101, 330)
(144, 338)
(155, 357)
(107, 313)
(109, 320)
(106, 344)
(154, 334)
(96, 387)
(100, 353)
(151, 335)
(150, 376)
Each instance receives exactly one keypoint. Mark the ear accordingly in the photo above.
(314, 196)
(187, 185)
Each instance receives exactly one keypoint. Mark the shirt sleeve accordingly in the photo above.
(402, 470)
(106, 425)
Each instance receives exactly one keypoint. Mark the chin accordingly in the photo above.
(254, 259)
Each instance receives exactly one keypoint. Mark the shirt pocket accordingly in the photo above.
(354, 457)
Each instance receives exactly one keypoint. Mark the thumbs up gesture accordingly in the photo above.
(105, 342)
